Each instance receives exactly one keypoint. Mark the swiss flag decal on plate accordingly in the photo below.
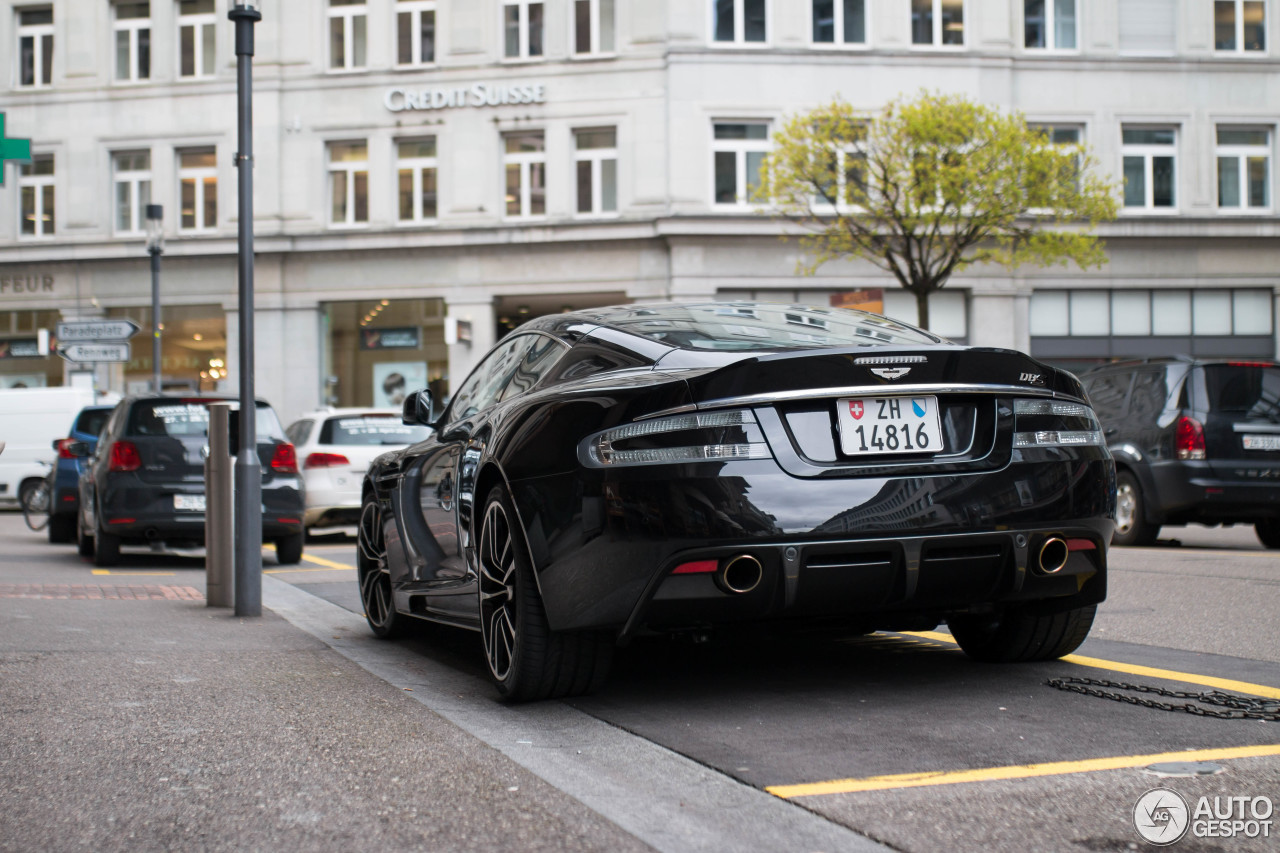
(855, 409)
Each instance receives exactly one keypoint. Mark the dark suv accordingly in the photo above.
(145, 481)
(1194, 440)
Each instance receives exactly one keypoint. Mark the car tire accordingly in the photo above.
(1268, 532)
(62, 529)
(84, 542)
(1020, 634)
(289, 550)
(525, 658)
(374, 574)
(1132, 527)
(106, 549)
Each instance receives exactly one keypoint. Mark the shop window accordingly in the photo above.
(1146, 313)
(1049, 24)
(374, 350)
(522, 29)
(1244, 169)
(937, 23)
(197, 38)
(593, 27)
(596, 157)
(738, 153)
(348, 25)
(198, 187)
(20, 367)
(415, 32)
(36, 195)
(525, 163)
(35, 47)
(133, 41)
(1150, 168)
(133, 191)
(416, 171)
(740, 22)
(1240, 26)
(193, 348)
(840, 22)
(348, 183)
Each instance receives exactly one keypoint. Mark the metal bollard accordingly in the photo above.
(218, 517)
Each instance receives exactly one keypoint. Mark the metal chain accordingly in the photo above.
(1240, 707)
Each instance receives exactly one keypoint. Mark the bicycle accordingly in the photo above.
(37, 499)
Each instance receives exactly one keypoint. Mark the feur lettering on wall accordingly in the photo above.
(21, 285)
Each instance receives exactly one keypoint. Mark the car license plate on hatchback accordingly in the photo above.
(872, 426)
(190, 503)
(1262, 442)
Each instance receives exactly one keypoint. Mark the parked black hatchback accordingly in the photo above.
(1194, 440)
(145, 481)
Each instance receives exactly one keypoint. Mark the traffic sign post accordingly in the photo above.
(77, 331)
(115, 351)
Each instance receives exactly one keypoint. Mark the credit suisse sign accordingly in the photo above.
(475, 95)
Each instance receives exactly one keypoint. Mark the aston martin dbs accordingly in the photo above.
(657, 468)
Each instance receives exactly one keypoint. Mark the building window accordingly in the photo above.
(593, 24)
(416, 165)
(1148, 27)
(1240, 26)
(133, 190)
(35, 47)
(198, 186)
(522, 29)
(1150, 313)
(133, 41)
(349, 183)
(739, 21)
(596, 156)
(35, 191)
(415, 32)
(1150, 168)
(948, 311)
(738, 151)
(1049, 24)
(937, 22)
(840, 22)
(525, 161)
(197, 27)
(348, 21)
(1244, 168)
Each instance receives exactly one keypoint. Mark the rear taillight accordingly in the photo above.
(284, 460)
(325, 460)
(700, 437)
(1189, 440)
(63, 452)
(124, 457)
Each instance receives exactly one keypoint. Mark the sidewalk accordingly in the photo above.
(136, 718)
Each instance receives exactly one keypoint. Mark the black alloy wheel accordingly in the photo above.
(1020, 634)
(374, 573)
(1132, 527)
(526, 659)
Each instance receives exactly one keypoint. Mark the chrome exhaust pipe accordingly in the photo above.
(1053, 555)
(739, 575)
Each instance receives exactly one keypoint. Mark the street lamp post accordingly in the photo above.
(155, 248)
(248, 470)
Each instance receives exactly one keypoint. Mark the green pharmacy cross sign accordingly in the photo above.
(12, 149)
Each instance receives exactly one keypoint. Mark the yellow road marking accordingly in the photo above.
(1148, 671)
(1023, 771)
(133, 574)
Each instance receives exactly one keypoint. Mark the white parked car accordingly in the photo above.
(335, 447)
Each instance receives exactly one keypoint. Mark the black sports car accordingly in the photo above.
(665, 467)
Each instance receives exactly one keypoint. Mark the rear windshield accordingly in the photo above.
(189, 418)
(371, 429)
(1248, 389)
(91, 421)
(754, 326)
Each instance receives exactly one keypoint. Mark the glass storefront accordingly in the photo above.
(193, 348)
(20, 364)
(378, 350)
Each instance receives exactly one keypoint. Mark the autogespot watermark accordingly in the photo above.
(1163, 817)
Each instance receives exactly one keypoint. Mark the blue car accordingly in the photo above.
(66, 476)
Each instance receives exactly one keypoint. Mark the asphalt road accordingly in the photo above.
(897, 737)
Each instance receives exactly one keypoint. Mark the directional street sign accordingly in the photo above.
(95, 353)
(97, 330)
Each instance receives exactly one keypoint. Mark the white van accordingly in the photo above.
(30, 420)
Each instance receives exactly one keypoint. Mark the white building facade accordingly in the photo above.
(484, 161)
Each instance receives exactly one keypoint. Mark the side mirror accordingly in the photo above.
(78, 449)
(417, 408)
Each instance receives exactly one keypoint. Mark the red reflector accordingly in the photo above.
(1081, 545)
(289, 520)
(284, 459)
(1250, 364)
(696, 568)
(68, 498)
(124, 457)
(122, 521)
(325, 460)
(1214, 491)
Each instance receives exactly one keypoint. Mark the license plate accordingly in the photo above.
(193, 503)
(871, 426)
(1262, 442)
